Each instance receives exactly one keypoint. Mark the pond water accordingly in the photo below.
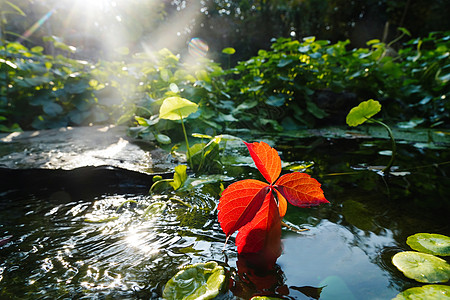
(63, 237)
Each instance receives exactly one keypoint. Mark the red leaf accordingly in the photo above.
(263, 233)
(239, 203)
(266, 160)
(282, 204)
(300, 189)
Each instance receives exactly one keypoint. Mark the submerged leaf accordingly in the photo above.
(176, 108)
(436, 244)
(363, 112)
(199, 281)
(422, 267)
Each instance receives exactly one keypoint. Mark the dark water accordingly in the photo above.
(120, 243)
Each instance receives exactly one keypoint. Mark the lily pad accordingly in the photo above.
(176, 108)
(432, 243)
(363, 112)
(422, 267)
(199, 281)
(425, 292)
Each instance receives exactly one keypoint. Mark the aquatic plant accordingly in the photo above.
(423, 266)
(364, 113)
(256, 208)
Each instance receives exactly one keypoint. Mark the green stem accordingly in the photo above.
(187, 143)
(394, 146)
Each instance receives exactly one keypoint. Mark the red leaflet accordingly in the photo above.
(263, 232)
(239, 204)
(300, 189)
(266, 160)
(250, 205)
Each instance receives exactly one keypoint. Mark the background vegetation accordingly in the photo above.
(277, 84)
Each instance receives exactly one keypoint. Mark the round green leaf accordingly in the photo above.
(163, 139)
(176, 108)
(362, 112)
(199, 281)
(436, 244)
(229, 51)
(422, 267)
(437, 291)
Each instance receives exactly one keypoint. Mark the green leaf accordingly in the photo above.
(363, 112)
(435, 291)
(179, 177)
(229, 51)
(422, 267)
(275, 101)
(436, 244)
(52, 109)
(199, 281)
(163, 139)
(176, 108)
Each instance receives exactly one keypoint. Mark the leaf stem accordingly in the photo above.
(387, 169)
(187, 142)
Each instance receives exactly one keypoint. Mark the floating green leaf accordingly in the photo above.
(422, 267)
(425, 292)
(199, 281)
(436, 244)
(363, 112)
(176, 108)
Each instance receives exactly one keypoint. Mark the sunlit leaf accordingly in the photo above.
(300, 189)
(229, 51)
(176, 108)
(436, 244)
(422, 267)
(363, 112)
(239, 204)
(199, 281)
(266, 160)
(179, 177)
(435, 291)
(263, 234)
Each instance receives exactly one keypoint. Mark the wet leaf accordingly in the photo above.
(437, 291)
(179, 177)
(422, 267)
(363, 112)
(436, 244)
(199, 281)
(176, 108)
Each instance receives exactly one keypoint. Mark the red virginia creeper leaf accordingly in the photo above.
(300, 189)
(239, 203)
(282, 204)
(266, 160)
(263, 233)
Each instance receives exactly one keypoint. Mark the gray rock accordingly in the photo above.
(74, 147)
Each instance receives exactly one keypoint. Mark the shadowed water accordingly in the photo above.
(123, 243)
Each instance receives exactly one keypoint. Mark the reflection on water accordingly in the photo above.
(123, 245)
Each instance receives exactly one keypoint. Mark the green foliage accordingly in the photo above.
(363, 112)
(436, 244)
(422, 267)
(436, 291)
(198, 281)
(176, 108)
(275, 90)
